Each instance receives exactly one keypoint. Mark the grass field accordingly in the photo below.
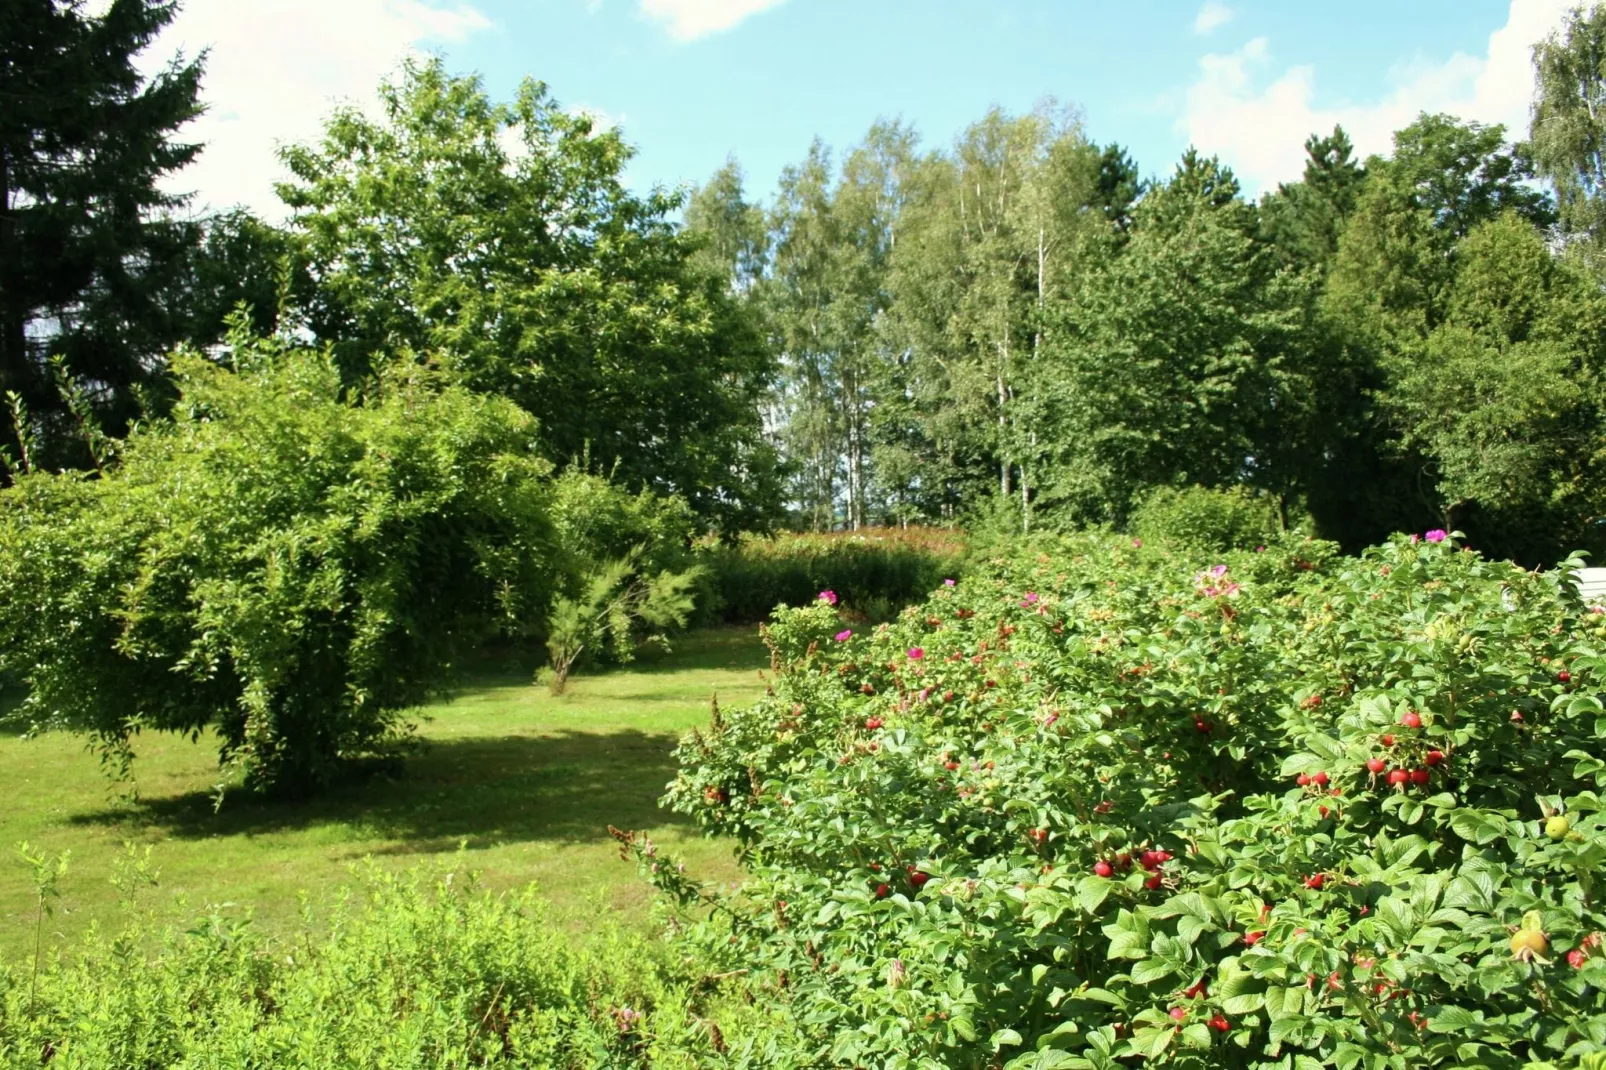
(527, 781)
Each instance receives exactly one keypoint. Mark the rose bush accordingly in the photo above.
(1271, 809)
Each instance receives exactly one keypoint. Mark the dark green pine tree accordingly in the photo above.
(87, 242)
(1302, 220)
(1118, 187)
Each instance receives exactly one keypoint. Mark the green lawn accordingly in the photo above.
(528, 781)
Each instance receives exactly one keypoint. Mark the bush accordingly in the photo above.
(412, 971)
(874, 573)
(289, 565)
(1208, 518)
(1101, 804)
(595, 520)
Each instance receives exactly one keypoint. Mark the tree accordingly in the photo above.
(1117, 187)
(288, 561)
(1505, 405)
(1302, 220)
(86, 245)
(1391, 286)
(988, 241)
(1568, 134)
(1174, 362)
(833, 233)
(535, 274)
(733, 230)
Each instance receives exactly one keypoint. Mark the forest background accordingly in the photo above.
(1014, 330)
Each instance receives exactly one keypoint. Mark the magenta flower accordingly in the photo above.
(1260, 549)
(1137, 544)
(947, 583)
(844, 635)
(1030, 599)
(828, 597)
(915, 653)
(1219, 570)
(1437, 535)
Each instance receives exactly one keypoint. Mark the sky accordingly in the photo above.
(693, 82)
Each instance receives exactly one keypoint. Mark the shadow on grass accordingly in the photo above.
(563, 787)
(10, 707)
(735, 647)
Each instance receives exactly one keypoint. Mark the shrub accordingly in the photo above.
(1208, 518)
(418, 970)
(874, 573)
(1103, 803)
(617, 600)
(595, 520)
(290, 565)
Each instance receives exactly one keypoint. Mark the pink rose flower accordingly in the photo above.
(915, 653)
(1437, 535)
(844, 635)
(828, 597)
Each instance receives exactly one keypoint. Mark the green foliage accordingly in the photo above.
(1303, 220)
(1208, 518)
(88, 246)
(421, 970)
(615, 599)
(1101, 803)
(873, 573)
(1569, 128)
(597, 519)
(1173, 361)
(535, 274)
(289, 563)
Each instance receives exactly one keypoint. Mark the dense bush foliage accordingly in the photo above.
(289, 564)
(1101, 802)
(874, 572)
(1208, 518)
(413, 972)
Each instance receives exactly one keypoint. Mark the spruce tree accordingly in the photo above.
(87, 238)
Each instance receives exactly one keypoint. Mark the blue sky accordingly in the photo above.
(693, 81)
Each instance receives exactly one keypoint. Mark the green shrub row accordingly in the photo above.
(1104, 804)
(874, 573)
(424, 970)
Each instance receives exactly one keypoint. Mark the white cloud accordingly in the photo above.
(688, 20)
(1260, 128)
(1212, 15)
(276, 69)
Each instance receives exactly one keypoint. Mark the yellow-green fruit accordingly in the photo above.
(1529, 941)
(1556, 828)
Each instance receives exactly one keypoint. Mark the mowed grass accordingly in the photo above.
(526, 781)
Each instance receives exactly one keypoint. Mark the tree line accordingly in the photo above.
(1015, 329)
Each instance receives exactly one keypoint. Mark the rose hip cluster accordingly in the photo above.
(1402, 775)
(1150, 860)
